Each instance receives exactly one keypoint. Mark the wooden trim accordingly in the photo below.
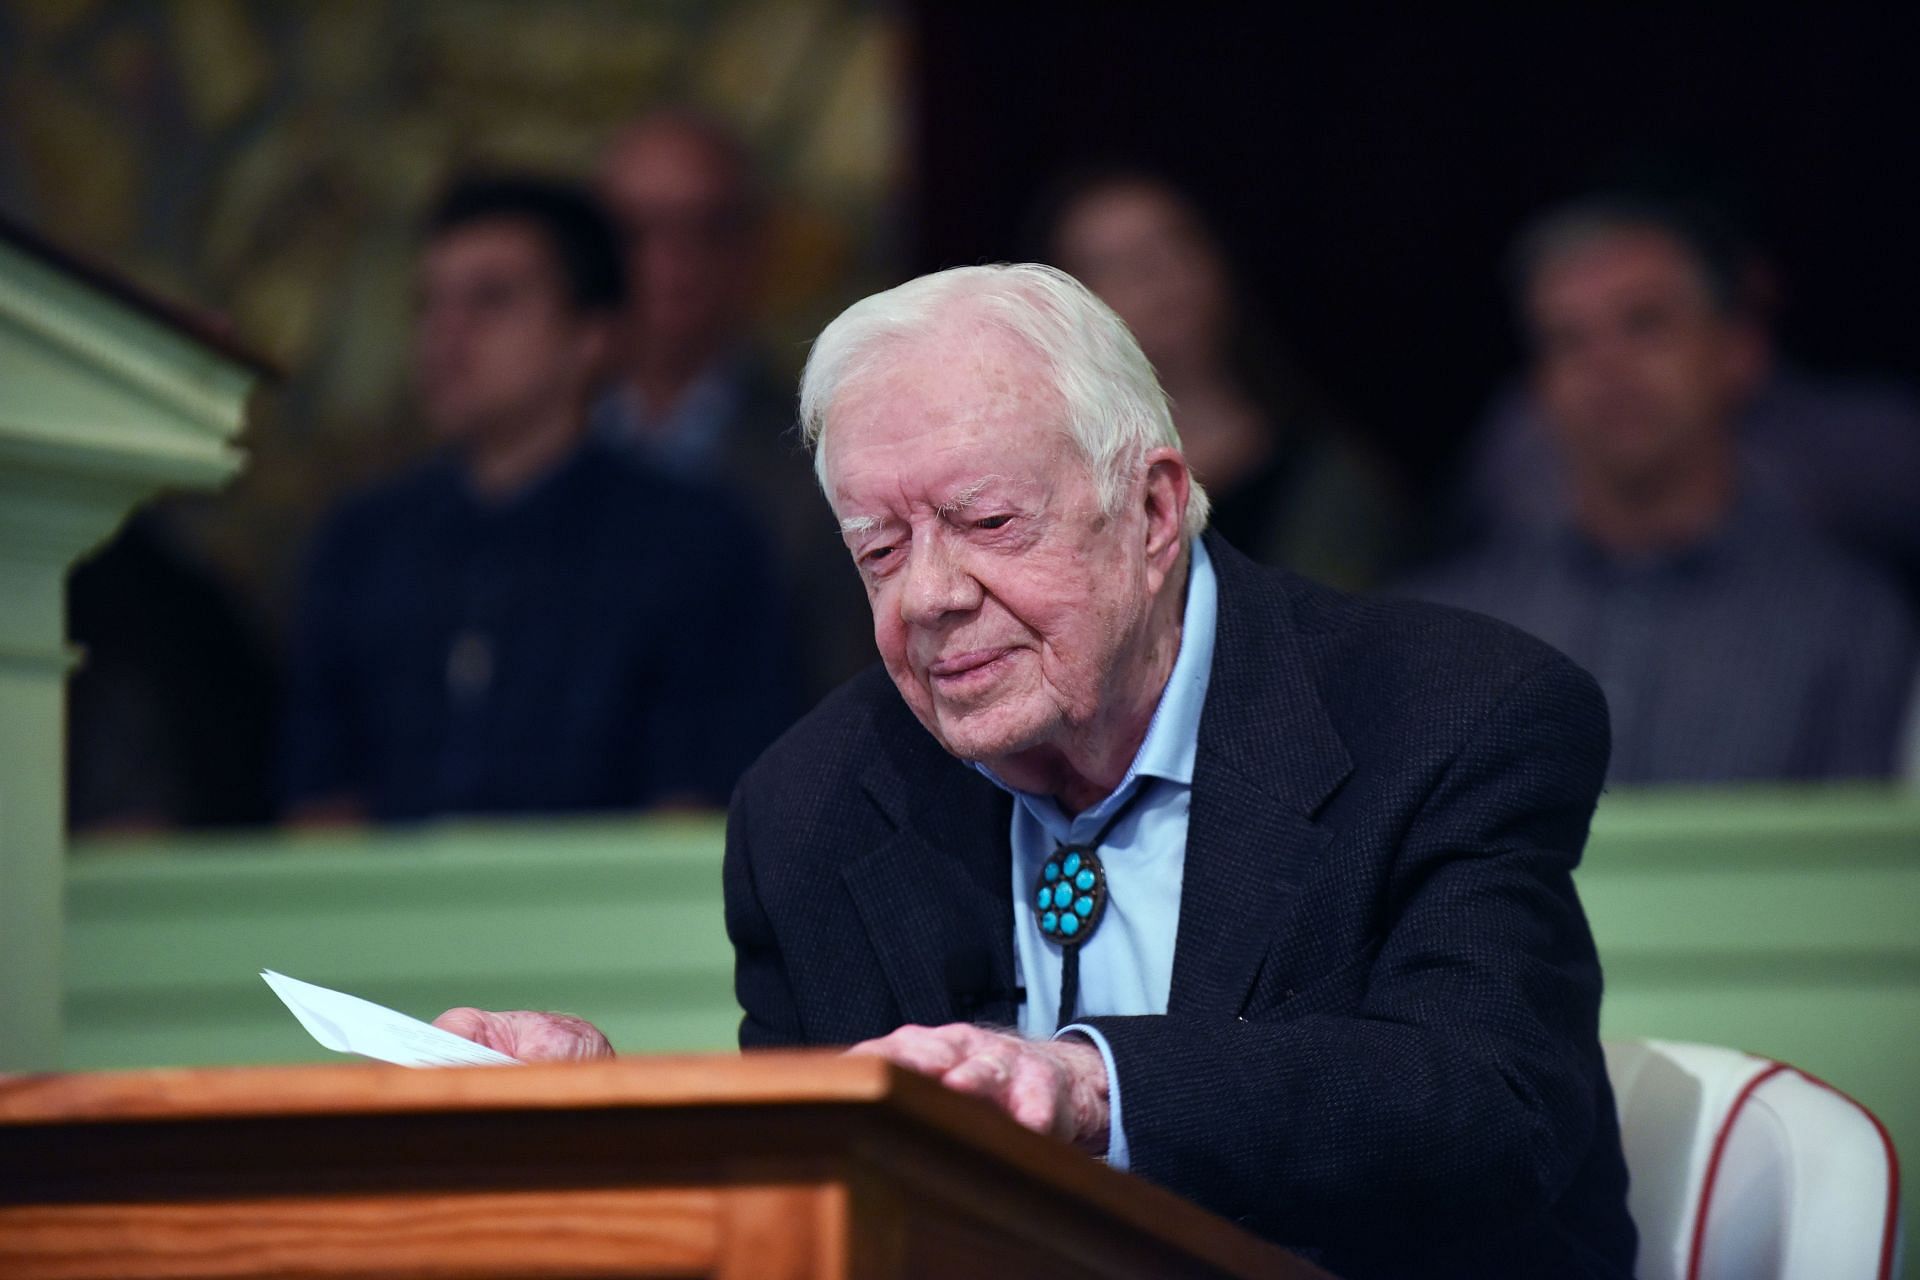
(518, 1234)
(935, 1163)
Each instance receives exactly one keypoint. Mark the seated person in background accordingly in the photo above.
(171, 711)
(691, 392)
(1731, 642)
(1843, 454)
(530, 621)
(1327, 974)
(1289, 485)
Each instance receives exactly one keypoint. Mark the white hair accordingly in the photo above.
(1116, 410)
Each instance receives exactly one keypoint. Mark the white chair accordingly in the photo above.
(1743, 1168)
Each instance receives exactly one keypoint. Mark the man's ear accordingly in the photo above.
(1164, 503)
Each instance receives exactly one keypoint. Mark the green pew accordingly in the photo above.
(619, 922)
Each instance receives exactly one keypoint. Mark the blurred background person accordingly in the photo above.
(171, 711)
(1841, 453)
(531, 621)
(1732, 642)
(1289, 485)
(694, 394)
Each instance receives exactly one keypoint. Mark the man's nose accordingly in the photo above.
(937, 583)
(1612, 351)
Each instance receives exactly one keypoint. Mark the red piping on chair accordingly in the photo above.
(1885, 1271)
(1713, 1166)
(1893, 1176)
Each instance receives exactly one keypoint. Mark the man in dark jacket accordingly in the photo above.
(1275, 883)
(529, 622)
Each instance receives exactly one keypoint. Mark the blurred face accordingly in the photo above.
(689, 243)
(497, 341)
(1141, 250)
(1637, 369)
(1010, 613)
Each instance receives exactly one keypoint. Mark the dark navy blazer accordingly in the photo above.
(1381, 1044)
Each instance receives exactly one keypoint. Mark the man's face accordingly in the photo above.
(1142, 251)
(1006, 608)
(497, 341)
(690, 245)
(1637, 368)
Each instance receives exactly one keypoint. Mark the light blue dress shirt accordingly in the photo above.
(689, 440)
(1127, 966)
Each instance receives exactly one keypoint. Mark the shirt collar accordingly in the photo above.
(689, 439)
(1743, 523)
(551, 488)
(1173, 735)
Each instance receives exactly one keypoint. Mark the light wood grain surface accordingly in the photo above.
(800, 1164)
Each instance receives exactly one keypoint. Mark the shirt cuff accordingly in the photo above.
(1118, 1156)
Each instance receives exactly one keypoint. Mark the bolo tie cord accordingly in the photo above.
(1071, 874)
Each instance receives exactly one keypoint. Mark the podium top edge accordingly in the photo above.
(797, 1077)
(68, 1108)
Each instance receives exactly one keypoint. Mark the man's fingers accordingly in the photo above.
(985, 1074)
(556, 1037)
(529, 1035)
(1031, 1081)
(1039, 1083)
(1022, 1080)
(1036, 1096)
(474, 1025)
(931, 1051)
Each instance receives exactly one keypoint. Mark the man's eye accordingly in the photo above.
(875, 555)
(994, 522)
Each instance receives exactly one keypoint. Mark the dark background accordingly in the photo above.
(1369, 163)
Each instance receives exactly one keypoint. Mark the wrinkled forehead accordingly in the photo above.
(969, 403)
(959, 374)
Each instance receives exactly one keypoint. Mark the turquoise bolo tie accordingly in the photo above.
(1070, 899)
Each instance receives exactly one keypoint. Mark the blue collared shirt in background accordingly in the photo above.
(688, 440)
(1127, 966)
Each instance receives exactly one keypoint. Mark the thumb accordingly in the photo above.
(478, 1026)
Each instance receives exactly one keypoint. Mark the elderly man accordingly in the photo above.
(1274, 883)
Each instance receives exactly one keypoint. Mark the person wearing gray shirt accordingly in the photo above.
(1732, 643)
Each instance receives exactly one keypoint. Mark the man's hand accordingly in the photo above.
(529, 1036)
(1050, 1086)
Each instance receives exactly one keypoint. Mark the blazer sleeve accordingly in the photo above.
(1456, 1083)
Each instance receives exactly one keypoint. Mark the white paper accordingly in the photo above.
(348, 1024)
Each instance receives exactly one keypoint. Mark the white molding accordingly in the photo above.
(140, 355)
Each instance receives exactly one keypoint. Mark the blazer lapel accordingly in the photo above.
(1268, 758)
(936, 897)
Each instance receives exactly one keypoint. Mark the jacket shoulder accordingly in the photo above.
(827, 749)
(1394, 672)
(1433, 646)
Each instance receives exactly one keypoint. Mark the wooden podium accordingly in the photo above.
(770, 1166)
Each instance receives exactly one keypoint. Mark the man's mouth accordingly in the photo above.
(957, 671)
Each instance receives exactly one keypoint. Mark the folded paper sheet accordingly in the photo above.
(348, 1024)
